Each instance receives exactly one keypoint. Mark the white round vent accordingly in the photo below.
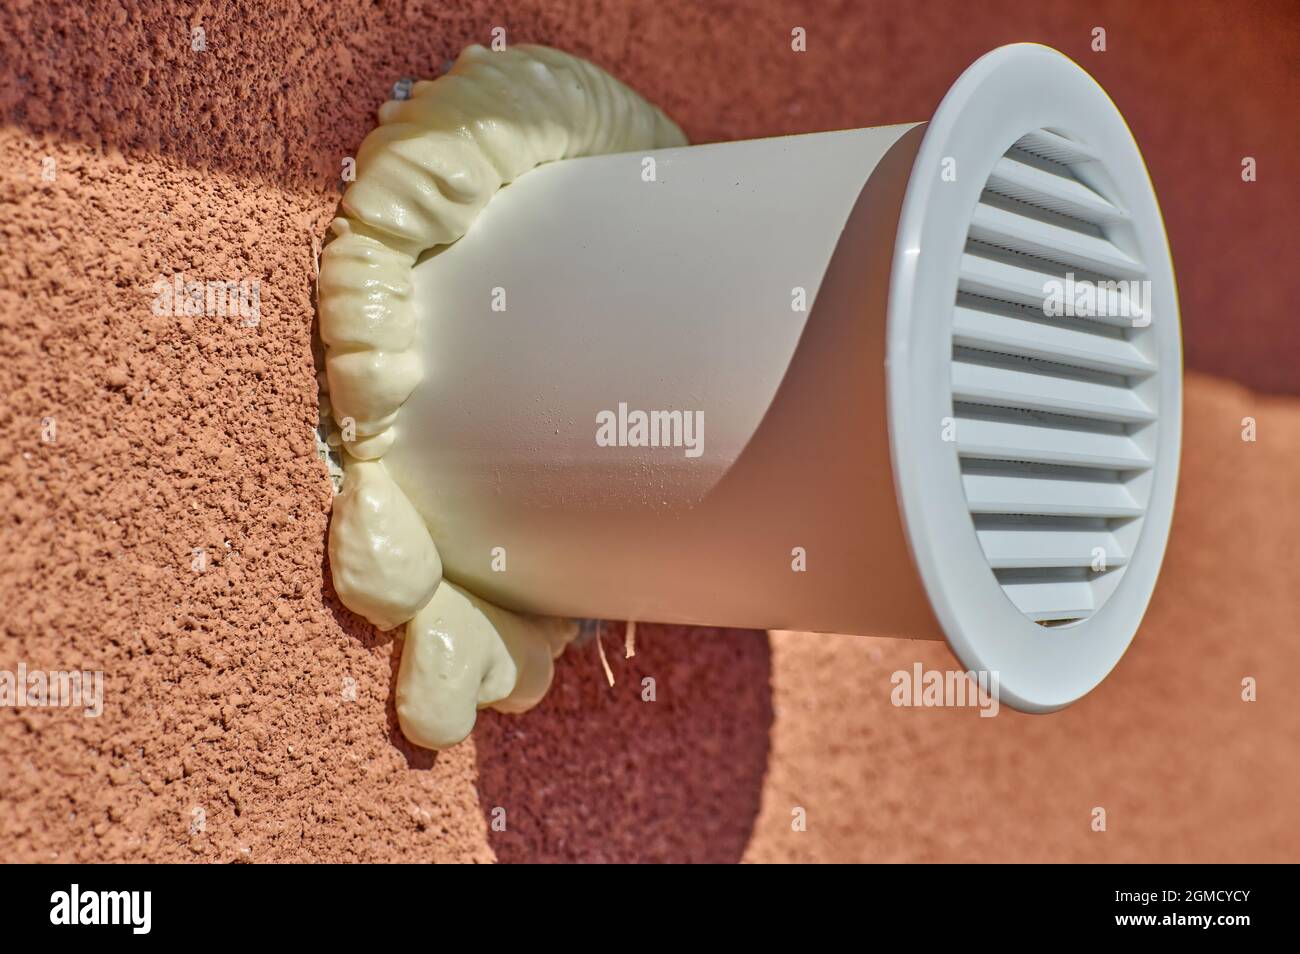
(1033, 312)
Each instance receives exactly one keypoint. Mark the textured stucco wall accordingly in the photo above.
(225, 689)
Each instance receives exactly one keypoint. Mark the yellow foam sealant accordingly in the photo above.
(423, 175)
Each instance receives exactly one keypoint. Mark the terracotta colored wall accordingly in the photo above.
(225, 689)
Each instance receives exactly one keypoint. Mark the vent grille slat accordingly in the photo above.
(974, 328)
(1062, 194)
(1049, 145)
(1041, 444)
(1010, 492)
(1026, 286)
(1049, 409)
(1040, 547)
(1068, 247)
(1005, 387)
(1051, 600)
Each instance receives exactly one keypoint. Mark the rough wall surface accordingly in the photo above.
(247, 692)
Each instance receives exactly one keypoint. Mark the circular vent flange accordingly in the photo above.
(1034, 437)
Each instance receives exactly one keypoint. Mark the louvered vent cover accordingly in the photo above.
(1038, 521)
(1045, 406)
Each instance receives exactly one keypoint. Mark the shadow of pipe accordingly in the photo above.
(605, 774)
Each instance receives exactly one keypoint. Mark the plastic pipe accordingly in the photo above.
(741, 287)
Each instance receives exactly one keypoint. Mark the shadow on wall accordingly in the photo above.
(608, 774)
(599, 774)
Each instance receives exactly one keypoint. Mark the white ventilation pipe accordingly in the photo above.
(923, 452)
